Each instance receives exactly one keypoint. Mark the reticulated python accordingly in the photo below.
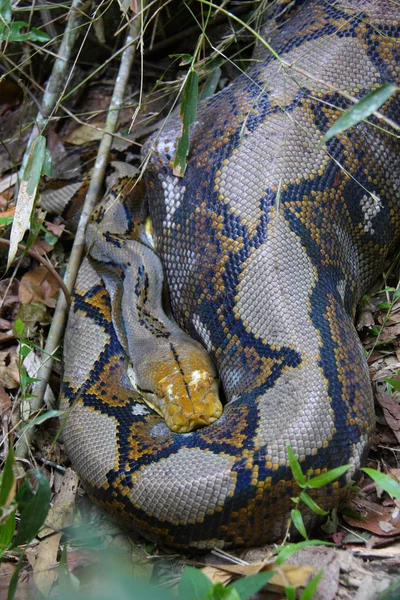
(267, 244)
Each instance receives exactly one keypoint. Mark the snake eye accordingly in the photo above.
(210, 380)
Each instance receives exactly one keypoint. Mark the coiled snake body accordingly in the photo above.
(267, 244)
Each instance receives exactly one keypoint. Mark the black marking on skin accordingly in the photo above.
(176, 357)
(144, 390)
(145, 318)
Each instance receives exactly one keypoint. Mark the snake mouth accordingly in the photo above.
(199, 409)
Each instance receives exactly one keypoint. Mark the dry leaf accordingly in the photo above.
(5, 401)
(9, 374)
(286, 574)
(84, 133)
(26, 196)
(38, 285)
(41, 247)
(57, 227)
(380, 520)
(391, 411)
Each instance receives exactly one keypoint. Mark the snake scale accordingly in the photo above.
(267, 244)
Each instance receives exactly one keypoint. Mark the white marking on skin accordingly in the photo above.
(140, 409)
(370, 205)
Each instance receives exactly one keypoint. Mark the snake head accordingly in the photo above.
(190, 402)
(182, 388)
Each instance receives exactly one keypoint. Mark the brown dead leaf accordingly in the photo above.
(79, 559)
(84, 133)
(5, 401)
(38, 285)
(286, 574)
(57, 227)
(379, 520)
(217, 574)
(41, 247)
(390, 332)
(391, 411)
(9, 374)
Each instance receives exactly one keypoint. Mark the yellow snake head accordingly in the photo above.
(183, 389)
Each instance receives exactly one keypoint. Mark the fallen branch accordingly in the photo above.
(93, 194)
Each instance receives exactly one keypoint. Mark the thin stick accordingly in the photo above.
(46, 264)
(51, 94)
(95, 187)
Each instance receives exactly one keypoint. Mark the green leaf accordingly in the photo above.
(289, 549)
(35, 511)
(361, 110)
(298, 522)
(384, 481)
(383, 305)
(7, 529)
(50, 414)
(4, 221)
(247, 586)
(188, 115)
(5, 11)
(193, 584)
(395, 383)
(328, 477)
(12, 586)
(309, 590)
(311, 504)
(14, 34)
(210, 84)
(290, 592)
(220, 592)
(47, 168)
(8, 478)
(392, 592)
(24, 495)
(186, 59)
(296, 468)
(24, 350)
(18, 327)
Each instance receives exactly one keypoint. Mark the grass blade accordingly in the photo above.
(361, 110)
(34, 513)
(296, 468)
(311, 504)
(188, 115)
(194, 584)
(247, 586)
(328, 477)
(386, 482)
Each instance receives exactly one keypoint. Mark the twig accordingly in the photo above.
(95, 187)
(51, 94)
(46, 264)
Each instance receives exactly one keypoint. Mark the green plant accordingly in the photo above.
(11, 31)
(194, 585)
(309, 484)
(386, 482)
(31, 502)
